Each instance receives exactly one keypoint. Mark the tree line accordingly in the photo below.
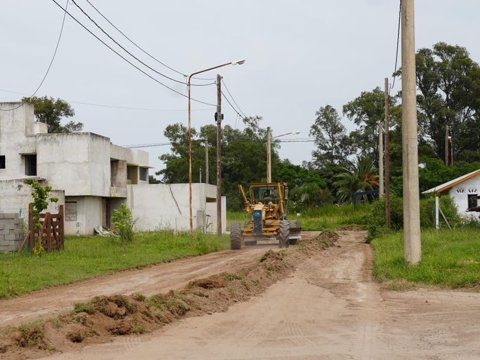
(343, 162)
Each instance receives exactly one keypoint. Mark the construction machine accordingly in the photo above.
(267, 206)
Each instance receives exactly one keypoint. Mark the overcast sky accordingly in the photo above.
(301, 55)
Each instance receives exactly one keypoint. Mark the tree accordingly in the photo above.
(366, 111)
(356, 176)
(330, 138)
(51, 111)
(449, 84)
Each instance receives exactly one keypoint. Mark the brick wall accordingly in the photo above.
(11, 232)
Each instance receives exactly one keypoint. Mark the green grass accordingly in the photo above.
(328, 217)
(86, 257)
(450, 258)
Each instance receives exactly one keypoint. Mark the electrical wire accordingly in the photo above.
(398, 45)
(143, 50)
(229, 103)
(51, 61)
(233, 99)
(110, 106)
(132, 55)
(145, 145)
(125, 59)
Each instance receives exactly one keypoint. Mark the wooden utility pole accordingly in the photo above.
(380, 159)
(269, 155)
(218, 118)
(387, 155)
(207, 171)
(411, 197)
(446, 145)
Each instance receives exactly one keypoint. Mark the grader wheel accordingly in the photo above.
(283, 234)
(235, 237)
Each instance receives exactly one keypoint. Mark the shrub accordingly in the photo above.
(123, 223)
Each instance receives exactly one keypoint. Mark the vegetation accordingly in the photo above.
(123, 223)
(86, 257)
(41, 198)
(448, 83)
(450, 258)
(51, 111)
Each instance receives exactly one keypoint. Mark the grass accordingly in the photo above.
(328, 217)
(450, 258)
(87, 257)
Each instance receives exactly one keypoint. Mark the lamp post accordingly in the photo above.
(269, 150)
(238, 62)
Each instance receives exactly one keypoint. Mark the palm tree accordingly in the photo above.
(355, 176)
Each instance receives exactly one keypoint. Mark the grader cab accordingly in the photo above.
(267, 206)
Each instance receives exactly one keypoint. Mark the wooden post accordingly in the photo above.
(387, 155)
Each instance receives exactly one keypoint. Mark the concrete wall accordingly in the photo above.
(11, 232)
(16, 138)
(16, 196)
(166, 206)
(83, 214)
(459, 194)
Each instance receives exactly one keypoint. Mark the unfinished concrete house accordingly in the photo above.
(91, 177)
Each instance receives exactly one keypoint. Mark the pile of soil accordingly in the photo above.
(107, 316)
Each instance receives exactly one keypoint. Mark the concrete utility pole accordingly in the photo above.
(380, 159)
(269, 155)
(411, 203)
(387, 155)
(218, 118)
(207, 171)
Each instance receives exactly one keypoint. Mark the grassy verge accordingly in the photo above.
(449, 258)
(328, 217)
(86, 257)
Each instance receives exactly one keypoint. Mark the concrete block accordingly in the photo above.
(11, 237)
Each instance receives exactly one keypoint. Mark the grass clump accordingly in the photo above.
(449, 258)
(31, 335)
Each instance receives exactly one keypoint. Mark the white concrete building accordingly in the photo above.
(465, 192)
(90, 175)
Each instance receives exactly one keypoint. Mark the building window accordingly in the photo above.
(143, 174)
(472, 201)
(30, 165)
(2, 161)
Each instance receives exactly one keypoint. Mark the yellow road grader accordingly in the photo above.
(267, 206)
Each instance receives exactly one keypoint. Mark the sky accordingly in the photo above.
(300, 56)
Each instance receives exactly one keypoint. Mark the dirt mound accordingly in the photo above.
(107, 316)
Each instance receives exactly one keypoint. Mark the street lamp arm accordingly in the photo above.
(289, 133)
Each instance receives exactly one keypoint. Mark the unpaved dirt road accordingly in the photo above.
(328, 309)
(149, 281)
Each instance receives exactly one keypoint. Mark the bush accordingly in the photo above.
(123, 223)
(427, 212)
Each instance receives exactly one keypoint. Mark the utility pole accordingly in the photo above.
(446, 145)
(380, 159)
(218, 118)
(269, 155)
(411, 198)
(207, 171)
(387, 155)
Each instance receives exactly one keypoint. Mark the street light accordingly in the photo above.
(237, 62)
(269, 150)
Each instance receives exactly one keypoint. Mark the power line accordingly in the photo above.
(398, 44)
(129, 53)
(125, 59)
(143, 50)
(229, 103)
(145, 145)
(111, 106)
(51, 61)
(233, 99)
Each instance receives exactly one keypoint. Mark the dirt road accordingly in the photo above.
(328, 309)
(149, 281)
